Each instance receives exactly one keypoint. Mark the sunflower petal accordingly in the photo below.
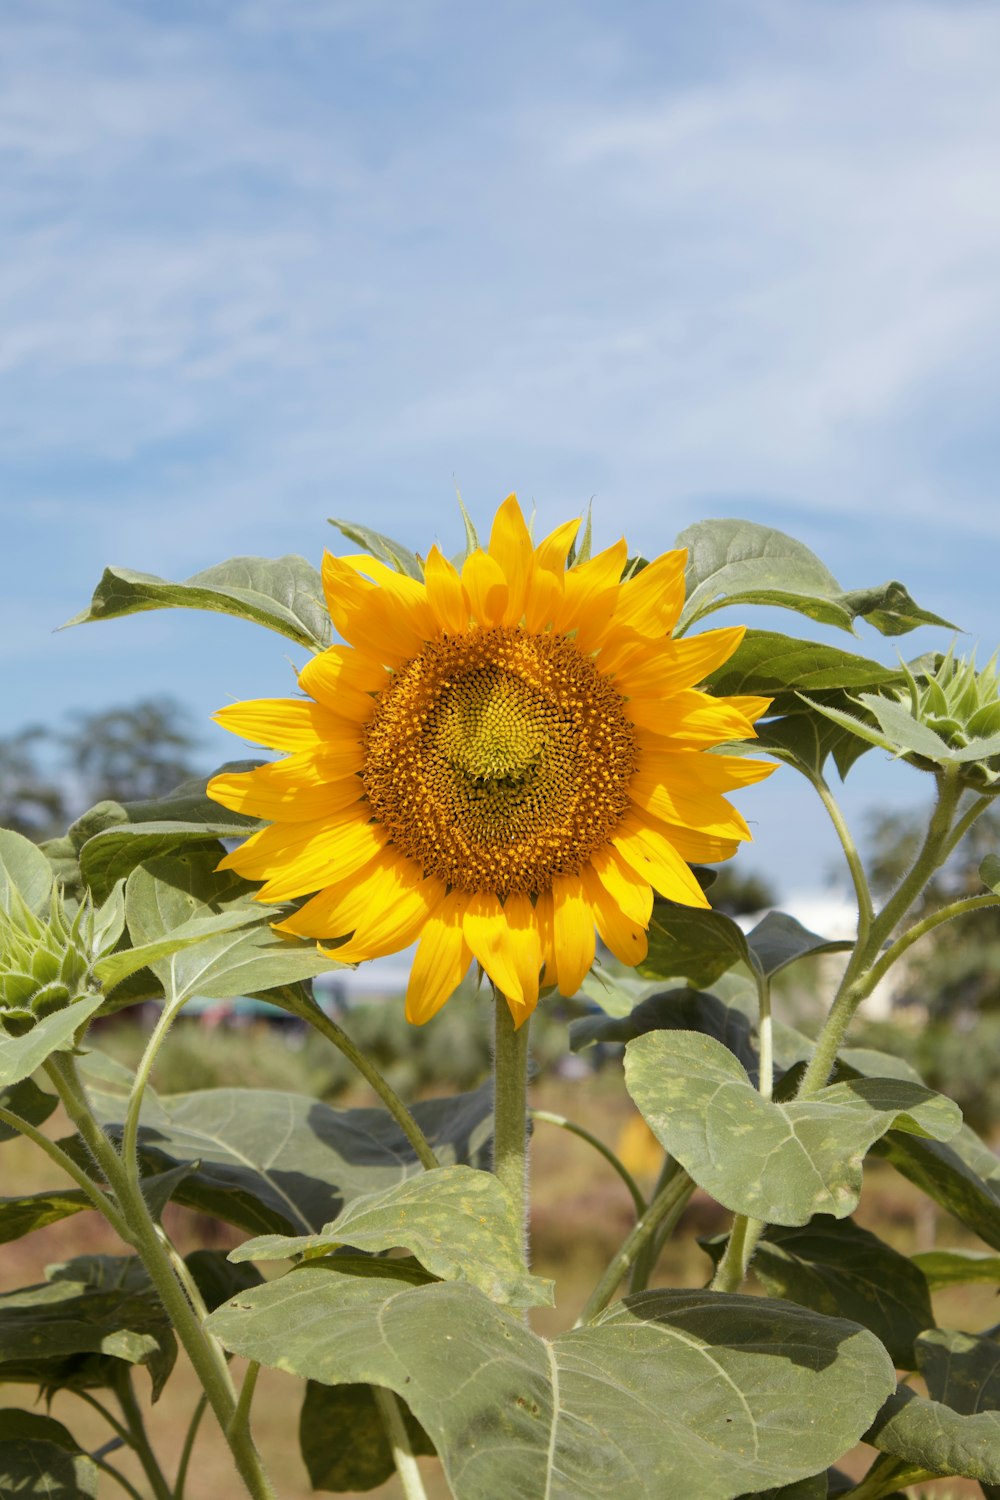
(552, 552)
(510, 547)
(631, 892)
(261, 794)
(486, 587)
(626, 939)
(387, 929)
(441, 962)
(651, 601)
(506, 942)
(653, 857)
(281, 723)
(573, 930)
(445, 594)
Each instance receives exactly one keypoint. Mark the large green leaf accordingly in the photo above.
(740, 562)
(29, 1102)
(779, 940)
(837, 1268)
(92, 1306)
(780, 1162)
(116, 967)
(806, 739)
(281, 1163)
(962, 1175)
(19, 1216)
(284, 593)
(692, 943)
(813, 1488)
(25, 869)
(21, 1055)
(458, 1222)
(384, 548)
(779, 667)
(958, 1267)
(343, 1438)
(956, 1431)
(708, 1394)
(41, 1460)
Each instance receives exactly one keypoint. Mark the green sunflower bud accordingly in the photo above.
(946, 714)
(45, 960)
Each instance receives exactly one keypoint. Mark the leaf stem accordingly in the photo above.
(137, 1434)
(862, 890)
(399, 1441)
(665, 1209)
(510, 1107)
(55, 1153)
(184, 1461)
(645, 1261)
(546, 1117)
(321, 1022)
(732, 1268)
(204, 1352)
(130, 1134)
(116, 1474)
(765, 1033)
(241, 1416)
(919, 929)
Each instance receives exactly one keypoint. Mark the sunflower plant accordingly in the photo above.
(519, 763)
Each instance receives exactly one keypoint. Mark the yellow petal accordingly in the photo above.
(263, 794)
(700, 848)
(324, 678)
(651, 601)
(626, 939)
(544, 601)
(447, 598)
(695, 771)
(696, 720)
(590, 594)
(654, 858)
(674, 665)
(678, 800)
(551, 554)
(281, 723)
(573, 931)
(631, 892)
(296, 858)
(338, 908)
(505, 940)
(510, 547)
(486, 587)
(387, 929)
(380, 621)
(442, 959)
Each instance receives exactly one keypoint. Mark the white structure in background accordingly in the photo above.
(832, 916)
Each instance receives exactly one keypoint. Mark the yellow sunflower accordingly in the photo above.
(498, 760)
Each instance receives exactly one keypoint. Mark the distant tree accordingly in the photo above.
(739, 893)
(32, 801)
(130, 754)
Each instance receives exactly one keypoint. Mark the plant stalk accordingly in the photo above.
(137, 1435)
(546, 1117)
(399, 1441)
(665, 1209)
(510, 1107)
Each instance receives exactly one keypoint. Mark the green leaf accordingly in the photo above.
(115, 967)
(24, 868)
(989, 873)
(19, 1216)
(692, 943)
(962, 1175)
(780, 667)
(28, 1101)
(813, 1488)
(739, 562)
(458, 1222)
(957, 1267)
(837, 1268)
(805, 739)
(735, 1393)
(780, 1162)
(779, 940)
(383, 547)
(40, 1457)
(280, 1163)
(928, 1435)
(86, 1308)
(284, 593)
(217, 1279)
(21, 1055)
(896, 729)
(343, 1438)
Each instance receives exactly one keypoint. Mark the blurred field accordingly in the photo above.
(580, 1213)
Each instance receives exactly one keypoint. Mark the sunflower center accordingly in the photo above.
(499, 759)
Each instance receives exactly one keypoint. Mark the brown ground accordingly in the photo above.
(581, 1213)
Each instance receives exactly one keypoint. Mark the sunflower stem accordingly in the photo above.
(510, 1108)
(399, 1439)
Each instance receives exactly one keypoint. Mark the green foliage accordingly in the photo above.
(39, 1456)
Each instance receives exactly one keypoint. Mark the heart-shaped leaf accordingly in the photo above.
(733, 1393)
(458, 1222)
(40, 1457)
(779, 940)
(283, 593)
(780, 1162)
(692, 943)
(780, 667)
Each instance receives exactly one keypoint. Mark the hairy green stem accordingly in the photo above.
(393, 1103)
(919, 929)
(399, 1441)
(765, 1034)
(184, 1461)
(510, 1105)
(111, 1420)
(887, 1476)
(241, 1416)
(546, 1117)
(974, 811)
(100, 1200)
(665, 1209)
(649, 1252)
(137, 1435)
(735, 1262)
(133, 1109)
(204, 1352)
(862, 890)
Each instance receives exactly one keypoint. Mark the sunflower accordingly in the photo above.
(498, 761)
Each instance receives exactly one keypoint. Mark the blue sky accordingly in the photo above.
(266, 261)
